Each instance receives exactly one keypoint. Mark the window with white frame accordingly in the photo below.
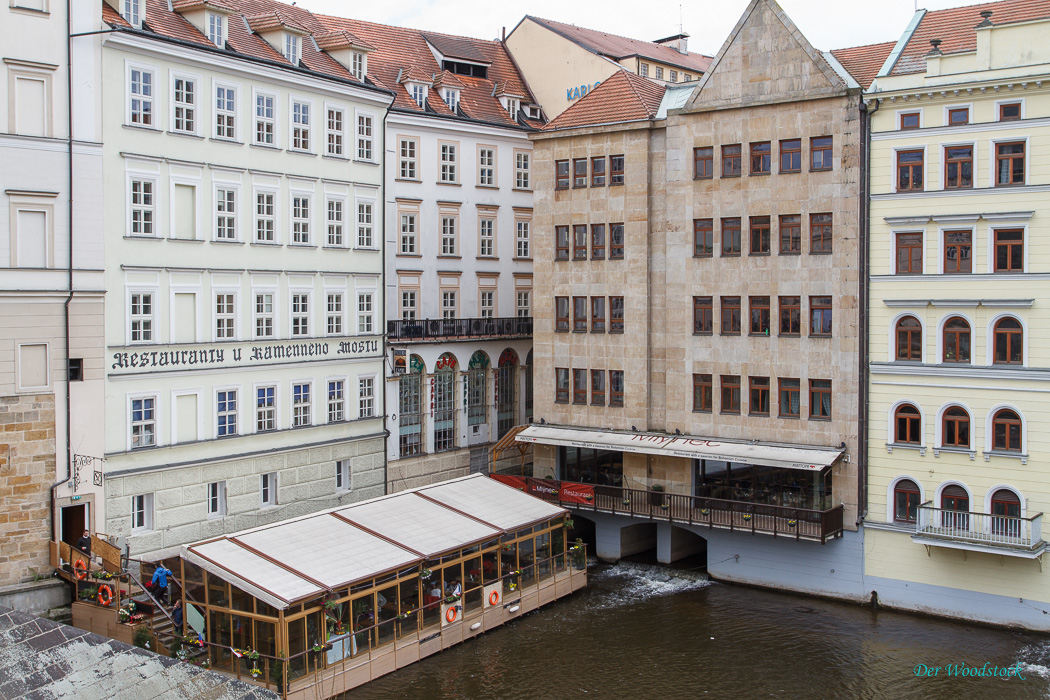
(487, 303)
(659, 73)
(268, 489)
(451, 98)
(487, 238)
(524, 303)
(142, 512)
(522, 170)
(300, 315)
(408, 234)
(225, 214)
(264, 315)
(342, 475)
(265, 408)
(143, 422)
(300, 126)
(133, 12)
(407, 149)
(215, 28)
(224, 316)
(225, 112)
(217, 499)
(334, 218)
(334, 314)
(265, 217)
(448, 162)
(226, 412)
(143, 208)
(301, 405)
(419, 93)
(364, 225)
(487, 166)
(513, 105)
(301, 219)
(265, 119)
(185, 102)
(366, 397)
(336, 400)
(364, 136)
(358, 65)
(408, 305)
(448, 305)
(522, 239)
(141, 317)
(291, 48)
(448, 235)
(141, 89)
(334, 132)
(365, 323)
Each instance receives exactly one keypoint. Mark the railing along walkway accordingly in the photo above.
(443, 328)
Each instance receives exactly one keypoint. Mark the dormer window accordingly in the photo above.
(291, 48)
(451, 98)
(418, 93)
(133, 13)
(216, 29)
(360, 66)
(512, 104)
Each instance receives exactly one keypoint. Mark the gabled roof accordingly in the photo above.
(341, 40)
(185, 5)
(620, 47)
(270, 21)
(864, 62)
(955, 29)
(623, 97)
(455, 47)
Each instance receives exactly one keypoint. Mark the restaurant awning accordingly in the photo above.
(806, 457)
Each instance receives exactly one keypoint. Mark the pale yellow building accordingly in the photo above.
(959, 342)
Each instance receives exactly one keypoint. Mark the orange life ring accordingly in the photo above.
(106, 599)
(80, 566)
(450, 615)
(494, 598)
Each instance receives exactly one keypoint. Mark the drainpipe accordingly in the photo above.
(865, 242)
(382, 296)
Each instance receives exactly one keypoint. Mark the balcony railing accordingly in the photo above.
(440, 328)
(1004, 533)
(754, 518)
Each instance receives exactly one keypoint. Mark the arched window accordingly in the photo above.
(909, 339)
(955, 504)
(956, 340)
(410, 406)
(444, 402)
(905, 501)
(955, 430)
(1008, 342)
(907, 425)
(1006, 431)
(506, 391)
(1006, 506)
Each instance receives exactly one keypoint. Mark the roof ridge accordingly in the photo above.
(631, 81)
(496, 42)
(618, 36)
(865, 46)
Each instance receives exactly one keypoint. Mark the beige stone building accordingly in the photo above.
(697, 283)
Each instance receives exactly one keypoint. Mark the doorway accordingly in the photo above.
(74, 521)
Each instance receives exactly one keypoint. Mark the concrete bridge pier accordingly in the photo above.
(674, 543)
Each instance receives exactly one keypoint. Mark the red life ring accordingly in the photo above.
(106, 599)
(450, 615)
(494, 598)
(80, 566)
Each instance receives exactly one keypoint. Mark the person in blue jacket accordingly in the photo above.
(160, 583)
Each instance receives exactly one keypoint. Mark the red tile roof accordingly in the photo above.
(183, 5)
(955, 29)
(623, 97)
(341, 40)
(269, 21)
(618, 47)
(864, 62)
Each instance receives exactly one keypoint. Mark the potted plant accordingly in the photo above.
(277, 672)
(656, 495)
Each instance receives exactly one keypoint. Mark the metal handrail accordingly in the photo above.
(979, 528)
(433, 328)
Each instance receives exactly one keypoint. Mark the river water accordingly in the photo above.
(639, 631)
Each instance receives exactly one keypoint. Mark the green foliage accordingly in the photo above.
(142, 638)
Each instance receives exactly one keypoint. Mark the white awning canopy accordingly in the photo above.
(805, 457)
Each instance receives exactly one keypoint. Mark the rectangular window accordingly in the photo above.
(1009, 163)
(616, 170)
(790, 315)
(451, 99)
(486, 238)
(523, 233)
(522, 170)
(959, 116)
(597, 387)
(1009, 250)
(616, 314)
(448, 163)
(524, 303)
(759, 322)
(334, 314)
(407, 159)
(761, 158)
(730, 315)
(448, 235)
(758, 396)
(487, 167)
(264, 316)
(789, 398)
(366, 402)
(264, 119)
(268, 489)
(673, 76)
(226, 413)
(185, 105)
(703, 393)
(561, 314)
(579, 386)
(616, 241)
(408, 234)
(760, 243)
(142, 317)
(365, 313)
(334, 132)
(141, 89)
(579, 314)
(820, 399)
(142, 208)
(265, 408)
(703, 163)
(597, 314)
(336, 401)
(408, 305)
(731, 160)
(579, 173)
(448, 305)
(1009, 111)
(598, 172)
(225, 112)
(820, 153)
(703, 238)
(659, 73)
(301, 220)
(562, 174)
(579, 242)
(342, 475)
(909, 253)
(643, 70)
(731, 237)
(561, 234)
(142, 512)
(487, 303)
(225, 214)
(910, 167)
(909, 120)
(300, 315)
(790, 234)
(291, 48)
(597, 241)
(730, 385)
(143, 422)
(820, 317)
(791, 156)
(224, 317)
(561, 387)
(300, 126)
(819, 233)
(217, 499)
(301, 405)
(615, 387)
(703, 316)
(358, 64)
(958, 252)
(264, 217)
(958, 167)
(334, 223)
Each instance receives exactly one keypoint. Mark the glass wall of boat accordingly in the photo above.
(253, 640)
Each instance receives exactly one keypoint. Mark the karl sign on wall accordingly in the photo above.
(578, 91)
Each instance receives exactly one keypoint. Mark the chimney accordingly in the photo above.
(683, 44)
(986, 19)
(936, 50)
(678, 42)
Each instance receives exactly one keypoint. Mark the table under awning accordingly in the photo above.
(805, 457)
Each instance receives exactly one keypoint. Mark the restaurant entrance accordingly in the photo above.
(778, 486)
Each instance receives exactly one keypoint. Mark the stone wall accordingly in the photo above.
(413, 472)
(27, 468)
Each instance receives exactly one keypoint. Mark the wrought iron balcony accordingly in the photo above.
(451, 329)
(979, 532)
